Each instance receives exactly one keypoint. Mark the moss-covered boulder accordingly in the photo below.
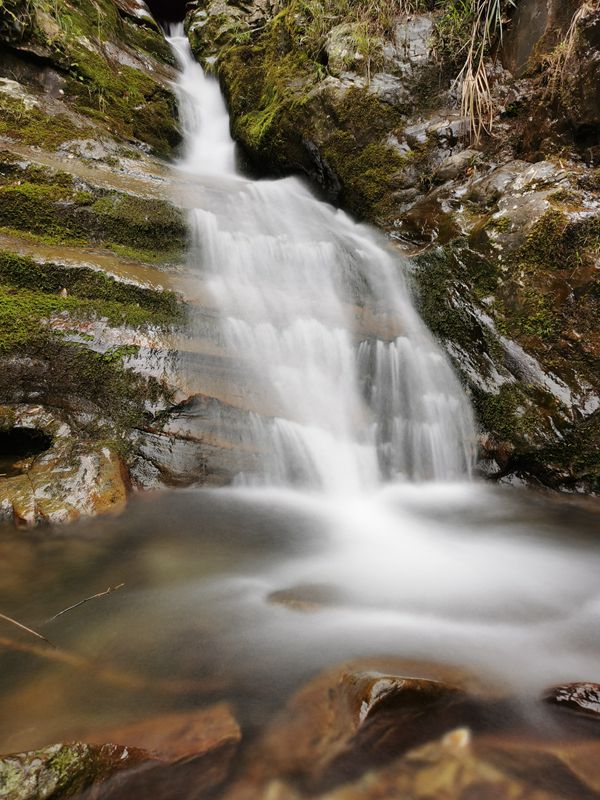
(102, 62)
(59, 207)
(295, 108)
(63, 770)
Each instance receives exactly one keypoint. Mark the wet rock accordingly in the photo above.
(63, 770)
(582, 698)
(71, 479)
(182, 736)
(351, 718)
(535, 29)
(307, 598)
(456, 164)
(448, 769)
(565, 769)
(581, 88)
(192, 753)
(384, 137)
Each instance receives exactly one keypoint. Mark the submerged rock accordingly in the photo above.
(185, 755)
(182, 736)
(448, 769)
(193, 753)
(351, 718)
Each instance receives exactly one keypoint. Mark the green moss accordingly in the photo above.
(23, 313)
(557, 242)
(53, 206)
(129, 101)
(33, 207)
(86, 284)
(42, 367)
(32, 126)
(134, 105)
(139, 222)
(497, 413)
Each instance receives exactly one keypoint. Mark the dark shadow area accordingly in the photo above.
(167, 10)
(19, 444)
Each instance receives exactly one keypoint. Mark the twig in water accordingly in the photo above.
(87, 600)
(25, 628)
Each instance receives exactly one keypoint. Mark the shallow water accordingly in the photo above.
(498, 581)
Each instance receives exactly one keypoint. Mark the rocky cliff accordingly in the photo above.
(90, 249)
(504, 227)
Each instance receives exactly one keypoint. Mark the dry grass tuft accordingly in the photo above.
(562, 56)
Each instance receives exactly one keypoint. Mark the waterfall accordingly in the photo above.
(350, 389)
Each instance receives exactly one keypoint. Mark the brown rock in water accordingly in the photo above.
(177, 737)
(193, 753)
(583, 698)
(350, 718)
(568, 767)
(307, 597)
(449, 769)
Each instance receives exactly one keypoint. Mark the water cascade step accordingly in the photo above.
(290, 275)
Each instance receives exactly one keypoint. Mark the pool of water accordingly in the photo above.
(243, 595)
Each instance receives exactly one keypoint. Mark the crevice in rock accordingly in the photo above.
(17, 446)
(168, 10)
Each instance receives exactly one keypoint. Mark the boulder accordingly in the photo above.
(72, 479)
(351, 718)
(448, 769)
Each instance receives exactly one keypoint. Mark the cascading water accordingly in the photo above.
(353, 390)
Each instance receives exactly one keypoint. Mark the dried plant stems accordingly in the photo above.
(22, 627)
(565, 50)
(477, 104)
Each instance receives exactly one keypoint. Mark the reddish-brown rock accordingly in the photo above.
(193, 751)
(351, 718)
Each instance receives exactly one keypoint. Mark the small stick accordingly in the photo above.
(87, 600)
(25, 628)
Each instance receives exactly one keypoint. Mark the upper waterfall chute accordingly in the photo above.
(350, 405)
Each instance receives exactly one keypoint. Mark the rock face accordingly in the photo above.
(506, 229)
(92, 277)
(72, 478)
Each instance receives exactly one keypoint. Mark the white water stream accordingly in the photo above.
(361, 407)
(295, 281)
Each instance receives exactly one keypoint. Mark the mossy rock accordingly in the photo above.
(39, 363)
(289, 117)
(114, 70)
(63, 770)
(62, 209)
